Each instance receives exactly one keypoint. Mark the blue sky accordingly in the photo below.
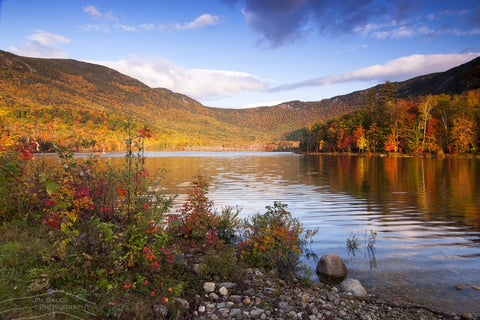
(243, 53)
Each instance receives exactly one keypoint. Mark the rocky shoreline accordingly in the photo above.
(259, 294)
(265, 296)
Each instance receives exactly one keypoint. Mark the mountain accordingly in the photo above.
(285, 120)
(86, 106)
(454, 81)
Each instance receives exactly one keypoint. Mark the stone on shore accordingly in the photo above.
(460, 286)
(355, 288)
(223, 291)
(331, 269)
(209, 287)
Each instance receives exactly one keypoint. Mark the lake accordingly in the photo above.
(417, 220)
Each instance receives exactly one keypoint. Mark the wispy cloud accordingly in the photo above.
(92, 11)
(209, 85)
(202, 21)
(42, 44)
(200, 84)
(434, 24)
(108, 22)
(399, 69)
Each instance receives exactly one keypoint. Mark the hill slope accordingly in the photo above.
(85, 106)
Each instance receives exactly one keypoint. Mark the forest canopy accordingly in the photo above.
(431, 124)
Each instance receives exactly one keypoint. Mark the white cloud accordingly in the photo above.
(366, 29)
(202, 21)
(92, 11)
(210, 85)
(200, 84)
(125, 27)
(395, 70)
(104, 21)
(108, 22)
(42, 44)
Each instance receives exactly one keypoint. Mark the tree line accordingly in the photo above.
(426, 125)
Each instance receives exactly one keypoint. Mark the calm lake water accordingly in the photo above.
(425, 213)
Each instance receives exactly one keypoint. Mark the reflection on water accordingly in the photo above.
(425, 213)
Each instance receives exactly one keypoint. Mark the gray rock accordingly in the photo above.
(256, 313)
(460, 286)
(213, 296)
(235, 312)
(223, 310)
(210, 306)
(209, 287)
(249, 292)
(182, 303)
(331, 269)
(223, 291)
(355, 288)
(235, 297)
(228, 285)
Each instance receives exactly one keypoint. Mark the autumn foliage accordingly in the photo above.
(428, 125)
(113, 238)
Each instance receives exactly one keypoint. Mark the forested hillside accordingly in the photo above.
(288, 119)
(84, 106)
(422, 125)
(88, 107)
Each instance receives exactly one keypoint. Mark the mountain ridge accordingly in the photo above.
(94, 101)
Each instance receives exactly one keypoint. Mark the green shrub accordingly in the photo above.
(274, 240)
(222, 264)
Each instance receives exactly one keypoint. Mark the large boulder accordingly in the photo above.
(354, 288)
(331, 269)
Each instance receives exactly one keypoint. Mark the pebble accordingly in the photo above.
(256, 313)
(236, 297)
(223, 291)
(182, 303)
(228, 285)
(213, 296)
(460, 286)
(209, 287)
(235, 312)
